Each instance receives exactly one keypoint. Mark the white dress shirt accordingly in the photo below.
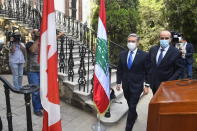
(164, 52)
(133, 55)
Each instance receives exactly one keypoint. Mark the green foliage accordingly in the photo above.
(147, 18)
(122, 19)
(182, 17)
(151, 22)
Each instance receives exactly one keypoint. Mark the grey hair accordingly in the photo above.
(134, 35)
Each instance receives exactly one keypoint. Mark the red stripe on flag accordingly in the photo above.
(99, 96)
(102, 12)
(53, 90)
(55, 127)
(48, 7)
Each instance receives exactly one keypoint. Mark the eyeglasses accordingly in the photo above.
(164, 38)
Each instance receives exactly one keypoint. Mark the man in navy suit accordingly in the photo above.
(164, 62)
(187, 51)
(131, 73)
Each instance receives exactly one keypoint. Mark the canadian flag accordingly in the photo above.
(48, 69)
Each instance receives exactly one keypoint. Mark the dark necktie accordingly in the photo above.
(130, 60)
(160, 57)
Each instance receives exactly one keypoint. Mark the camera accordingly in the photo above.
(175, 37)
(16, 36)
(13, 36)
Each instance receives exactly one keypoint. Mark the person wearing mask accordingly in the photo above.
(17, 59)
(131, 73)
(33, 70)
(164, 62)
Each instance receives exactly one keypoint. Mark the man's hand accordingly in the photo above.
(118, 87)
(146, 90)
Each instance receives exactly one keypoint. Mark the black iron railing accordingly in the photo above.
(22, 11)
(77, 50)
(26, 90)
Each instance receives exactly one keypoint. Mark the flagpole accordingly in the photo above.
(101, 87)
(98, 126)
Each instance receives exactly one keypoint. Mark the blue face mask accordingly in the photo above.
(164, 43)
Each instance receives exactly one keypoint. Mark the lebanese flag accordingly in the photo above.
(48, 69)
(101, 90)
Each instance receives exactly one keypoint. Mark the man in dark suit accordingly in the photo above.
(131, 73)
(187, 51)
(164, 62)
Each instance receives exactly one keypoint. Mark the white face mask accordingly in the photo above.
(132, 46)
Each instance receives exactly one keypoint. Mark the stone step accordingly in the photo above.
(74, 50)
(77, 66)
(83, 94)
(64, 76)
(77, 59)
(118, 108)
(118, 95)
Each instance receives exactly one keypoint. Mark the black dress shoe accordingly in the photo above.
(39, 113)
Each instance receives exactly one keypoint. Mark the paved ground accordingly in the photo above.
(73, 119)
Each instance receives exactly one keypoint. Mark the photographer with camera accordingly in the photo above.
(33, 69)
(17, 59)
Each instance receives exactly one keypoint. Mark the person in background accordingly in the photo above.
(17, 58)
(187, 51)
(164, 62)
(33, 70)
(131, 73)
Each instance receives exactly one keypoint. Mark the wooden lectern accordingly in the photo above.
(174, 107)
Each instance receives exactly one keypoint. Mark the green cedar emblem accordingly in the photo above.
(102, 54)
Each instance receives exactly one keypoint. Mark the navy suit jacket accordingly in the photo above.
(189, 53)
(132, 79)
(169, 68)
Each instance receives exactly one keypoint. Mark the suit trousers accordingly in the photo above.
(132, 100)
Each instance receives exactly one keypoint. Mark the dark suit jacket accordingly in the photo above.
(189, 53)
(132, 80)
(169, 68)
